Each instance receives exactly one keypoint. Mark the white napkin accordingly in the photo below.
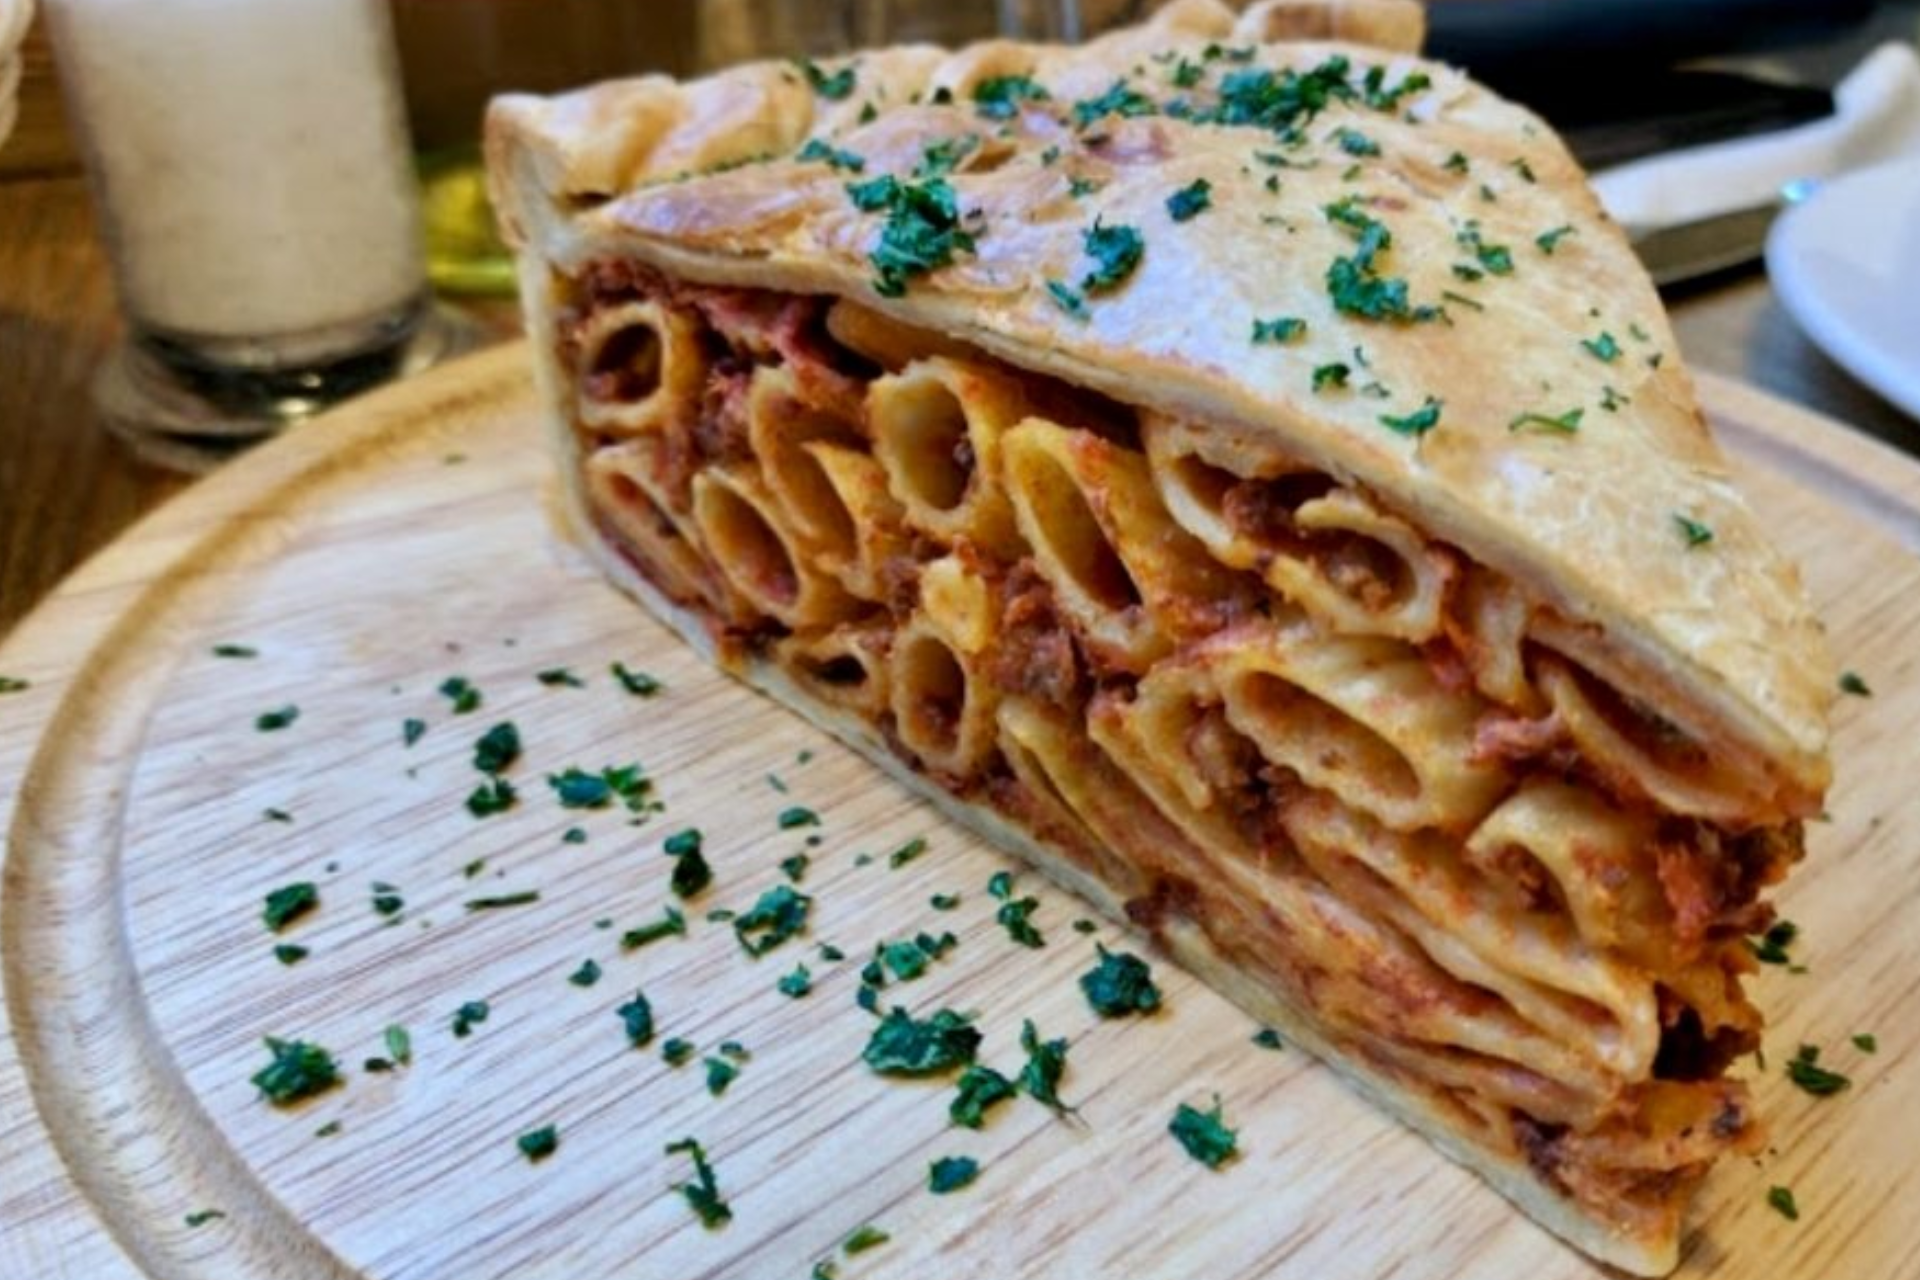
(1876, 117)
(14, 15)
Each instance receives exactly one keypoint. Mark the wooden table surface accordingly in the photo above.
(66, 488)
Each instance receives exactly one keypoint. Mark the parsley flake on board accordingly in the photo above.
(1204, 1134)
(795, 984)
(867, 1237)
(677, 1052)
(1046, 1063)
(950, 1173)
(836, 87)
(288, 903)
(1417, 423)
(201, 1217)
(497, 748)
(460, 692)
(470, 1015)
(1805, 1071)
(999, 97)
(1602, 348)
(524, 897)
(288, 953)
(1773, 944)
(235, 651)
(554, 677)
(720, 1074)
(574, 835)
(1190, 201)
(1548, 241)
(922, 232)
(1116, 250)
(495, 795)
(1565, 424)
(279, 718)
(1280, 329)
(1119, 985)
(980, 1089)
(1268, 1038)
(780, 913)
(1017, 916)
(673, 924)
(944, 901)
(1695, 533)
(411, 731)
(276, 815)
(537, 1144)
(691, 873)
(703, 1192)
(637, 683)
(586, 975)
(1850, 682)
(906, 853)
(902, 1046)
(795, 867)
(299, 1070)
(387, 900)
(399, 1044)
(818, 149)
(796, 817)
(1780, 1199)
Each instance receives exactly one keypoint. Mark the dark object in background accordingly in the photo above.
(1602, 70)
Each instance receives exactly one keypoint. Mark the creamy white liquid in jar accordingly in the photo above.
(251, 157)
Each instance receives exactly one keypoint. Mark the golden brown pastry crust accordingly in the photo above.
(1585, 522)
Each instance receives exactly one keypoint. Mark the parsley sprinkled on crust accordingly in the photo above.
(836, 87)
(1190, 201)
(288, 903)
(818, 149)
(1121, 984)
(1280, 329)
(922, 232)
(1565, 424)
(299, 1070)
(999, 97)
(1602, 347)
(1695, 533)
(1355, 143)
(1116, 251)
(1204, 1134)
(1067, 299)
(703, 1192)
(537, 1144)
(1548, 241)
(1417, 423)
(1120, 100)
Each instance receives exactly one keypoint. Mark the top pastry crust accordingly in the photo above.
(1568, 451)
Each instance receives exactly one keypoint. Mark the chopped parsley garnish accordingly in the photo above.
(831, 953)
(637, 683)
(387, 900)
(1046, 1063)
(1355, 143)
(671, 925)
(1866, 1042)
(1330, 375)
(470, 1015)
(833, 157)
(1268, 1038)
(553, 677)
(1116, 249)
(1496, 258)
(299, 1070)
(586, 975)
(1520, 166)
(1565, 424)
(1067, 299)
(1119, 985)
(1456, 163)
(677, 1052)
(950, 1173)
(279, 718)
(523, 898)
(201, 1217)
(288, 903)
(797, 816)
(867, 1237)
(461, 693)
(1204, 1134)
(276, 815)
(411, 731)
(703, 1193)
(1851, 682)
(577, 789)
(1015, 913)
(794, 868)
(1417, 423)
(1550, 240)
(720, 1074)
(235, 651)
(574, 835)
(497, 748)
(1120, 100)
(943, 157)
(1781, 1200)
(944, 901)
(907, 852)
(1611, 400)
(691, 873)
(836, 87)
(399, 1044)
(1279, 100)
(902, 1046)
(922, 231)
(780, 913)
(1383, 99)
(795, 984)
(1773, 944)
(1354, 284)
(1280, 329)
(1190, 201)
(980, 1088)
(288, 953)
(999, 97)
(537, 1144)
(495, 795)
(1805, 1071)
(1695, 533)
(1603, 347)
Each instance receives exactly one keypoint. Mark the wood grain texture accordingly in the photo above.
(366, 567)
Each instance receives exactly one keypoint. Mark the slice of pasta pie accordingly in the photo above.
(1252, 480)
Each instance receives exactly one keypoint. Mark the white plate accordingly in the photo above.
(1846, 265)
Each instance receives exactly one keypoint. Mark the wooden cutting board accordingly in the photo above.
(373, 554)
